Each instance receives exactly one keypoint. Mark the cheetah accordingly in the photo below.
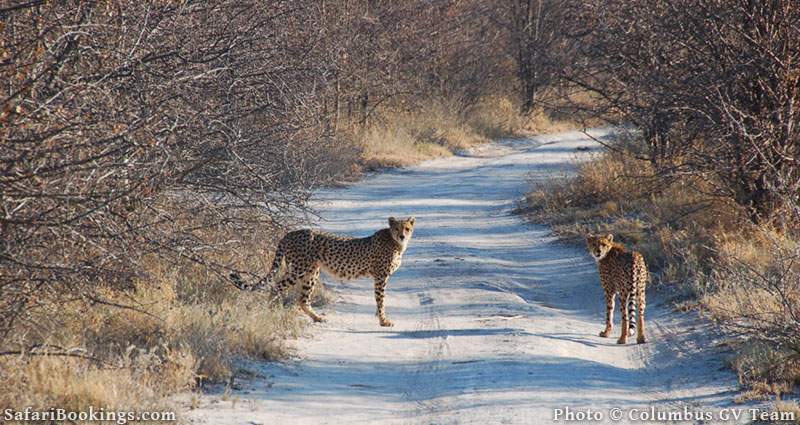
(307, 251)
(622, 273)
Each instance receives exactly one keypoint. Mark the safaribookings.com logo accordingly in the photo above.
(119, 417)
(685, 414)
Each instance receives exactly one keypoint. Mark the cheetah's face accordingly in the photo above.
(599, 245)
(401, 229)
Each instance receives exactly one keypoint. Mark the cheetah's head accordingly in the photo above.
(599, 245)
(401, 229)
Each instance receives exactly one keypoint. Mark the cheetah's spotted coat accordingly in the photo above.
(307, 251)
(622, 273)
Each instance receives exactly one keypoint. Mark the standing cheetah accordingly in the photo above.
(625, 273)
(307, 251)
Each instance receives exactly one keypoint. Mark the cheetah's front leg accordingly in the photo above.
(380, 288)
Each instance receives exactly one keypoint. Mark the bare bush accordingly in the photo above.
(133, 130)
(712, 86)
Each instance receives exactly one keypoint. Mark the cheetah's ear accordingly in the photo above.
(610, 237)
(412, 220)
(392, 221)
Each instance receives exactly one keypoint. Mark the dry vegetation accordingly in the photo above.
(436, 129)
(175, 328)
(148, 151)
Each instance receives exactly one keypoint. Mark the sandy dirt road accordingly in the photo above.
(496, 322)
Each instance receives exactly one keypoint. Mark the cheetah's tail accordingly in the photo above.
(238, 282)
(262, 283)
(631, 314)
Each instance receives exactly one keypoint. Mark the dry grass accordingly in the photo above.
(756, 296)
(397, 137)
(185, 327)
(396, 145)
(75, 384)
(763, 372)
(541, 121)
(435, 129)
(788, 409)
(495, 117)
(405, 138)
(564, 110)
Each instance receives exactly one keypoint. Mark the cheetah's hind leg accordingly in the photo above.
(310, 281)
(606, 332)
(278, 290)
(640, 338)
(623, 311)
